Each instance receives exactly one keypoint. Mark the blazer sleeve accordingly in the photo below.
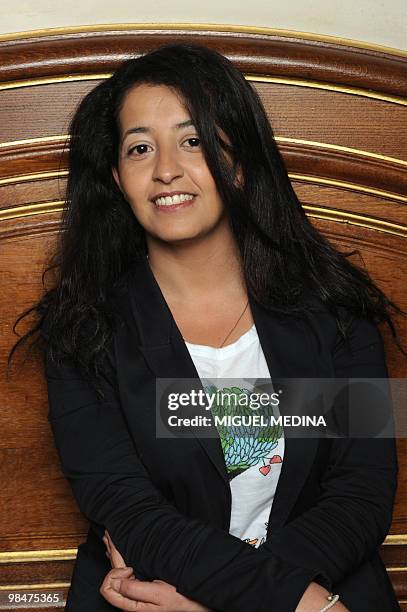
(113, 489)
(353, 513)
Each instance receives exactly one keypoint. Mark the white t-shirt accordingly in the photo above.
(253, 465)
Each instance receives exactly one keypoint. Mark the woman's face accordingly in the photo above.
(162, 170)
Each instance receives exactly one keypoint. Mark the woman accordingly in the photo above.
(186, 255)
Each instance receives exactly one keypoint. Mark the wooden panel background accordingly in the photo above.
(339, 115)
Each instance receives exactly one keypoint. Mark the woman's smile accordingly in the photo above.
(173, 201)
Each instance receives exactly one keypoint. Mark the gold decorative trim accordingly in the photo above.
(56, 79)
(227, 28)
(40, 585)
(29, 210)
(366, 93)
(345, 185)
(341, 149)
(319, 212)
(402, 568)
(398, 539)
(38, 140)
(35, 176)
(280, 139)
(354, 91)
(27, 556)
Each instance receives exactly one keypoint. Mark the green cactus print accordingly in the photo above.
(243, 446)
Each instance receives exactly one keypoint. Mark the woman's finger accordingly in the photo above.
(116, 558)
(143, 591)
(107, 553)
(120, 572)
(111, 586)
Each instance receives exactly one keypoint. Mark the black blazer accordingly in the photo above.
(166, 502)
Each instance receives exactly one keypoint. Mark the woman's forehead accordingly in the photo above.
(150, 108)
(153, 102)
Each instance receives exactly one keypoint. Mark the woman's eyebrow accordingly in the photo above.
(146, 130)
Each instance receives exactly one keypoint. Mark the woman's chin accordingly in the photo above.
(179, 237)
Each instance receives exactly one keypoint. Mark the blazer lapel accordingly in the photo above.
(284, 343)
(165, 351)
(287, 352)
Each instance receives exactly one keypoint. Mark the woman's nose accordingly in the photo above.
(167, 166)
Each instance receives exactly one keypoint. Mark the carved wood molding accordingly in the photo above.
(360, 202)
(256, 54)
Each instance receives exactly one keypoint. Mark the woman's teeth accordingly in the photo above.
(175, 199)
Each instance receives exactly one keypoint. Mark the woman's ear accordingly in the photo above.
(239, 178)
(116, 177)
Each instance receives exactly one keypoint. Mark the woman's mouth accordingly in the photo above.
(169, 203)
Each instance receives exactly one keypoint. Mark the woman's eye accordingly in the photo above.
(193, 142)
(139, 149)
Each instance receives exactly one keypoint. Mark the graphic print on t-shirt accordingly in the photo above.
(253, 458)
(244, 446)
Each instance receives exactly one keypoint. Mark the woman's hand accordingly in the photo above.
(123, 590)
(315, 598)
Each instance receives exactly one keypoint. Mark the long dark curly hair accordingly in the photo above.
(283, 255)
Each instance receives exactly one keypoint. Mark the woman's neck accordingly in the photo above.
(196, 271)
